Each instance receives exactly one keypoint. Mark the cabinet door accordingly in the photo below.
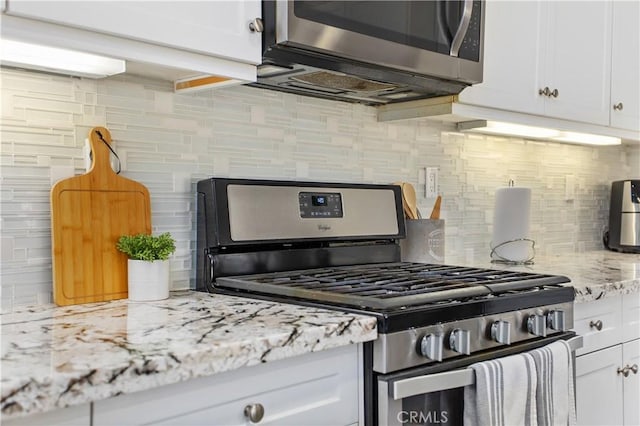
(578, 60)
(512, 49)
(625, 66)
(630, 317)
(631, 383)
(599, 387)
(321, 388)
(219, 28)
(78, 415)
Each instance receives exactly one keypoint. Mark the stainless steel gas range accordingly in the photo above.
(336, 245)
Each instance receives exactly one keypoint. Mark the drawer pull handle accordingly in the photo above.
(624, 371)
(255, 412)
(618, 106)
(596, 324)
(634, 368)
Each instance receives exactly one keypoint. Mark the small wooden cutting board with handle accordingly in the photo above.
(88, 215)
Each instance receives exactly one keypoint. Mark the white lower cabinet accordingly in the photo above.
(320, 388)
(598, 388)
(631, 383)
(607, 367)
(79, 415)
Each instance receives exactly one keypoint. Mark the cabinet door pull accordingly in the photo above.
(255, 412)
(555, 93)
(256, 26)
(634, 368)
(596, 324)
(624, 371)
(618, 106)
(544, 91)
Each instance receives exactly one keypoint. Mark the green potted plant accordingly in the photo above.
(148, 264)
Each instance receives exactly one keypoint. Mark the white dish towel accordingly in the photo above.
(555, 400)
(504, 393)
(534, 388)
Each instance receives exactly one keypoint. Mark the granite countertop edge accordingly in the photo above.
(129, 358)
(590, 293)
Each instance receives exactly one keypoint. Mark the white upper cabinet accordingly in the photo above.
(625, 66)
(577, 61)
(205, 36)
(512, 45)
(547, 58)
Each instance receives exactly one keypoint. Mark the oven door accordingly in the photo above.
(440, 38)
(434, 395)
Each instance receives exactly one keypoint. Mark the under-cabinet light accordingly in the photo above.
(587, 139)
(57, 60)
(532, 132)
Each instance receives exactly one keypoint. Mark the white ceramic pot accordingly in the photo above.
(148, 280)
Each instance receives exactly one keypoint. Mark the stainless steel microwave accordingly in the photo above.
(372, 52)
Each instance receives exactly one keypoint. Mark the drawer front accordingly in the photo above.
(314, 389)
(631, 316)
(599, 322)
(78, 415)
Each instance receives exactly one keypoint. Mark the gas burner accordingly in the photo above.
(391, 285)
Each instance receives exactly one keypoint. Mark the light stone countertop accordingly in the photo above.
(60, 356)
(593, 274)
(54, 357)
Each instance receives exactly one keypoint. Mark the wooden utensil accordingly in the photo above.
(409, 196)
(435, 213)
(88, 215)
(405, 208)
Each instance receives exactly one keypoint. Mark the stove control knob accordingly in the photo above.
(501, 332)
(537, 325)
(460, 341)
(431, 346)
(555, 320)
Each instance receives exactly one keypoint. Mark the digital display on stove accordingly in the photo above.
(316, 205)
(318, 200)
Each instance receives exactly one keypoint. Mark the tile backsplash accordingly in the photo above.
(170, 141)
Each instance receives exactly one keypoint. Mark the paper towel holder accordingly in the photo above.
(500, 259)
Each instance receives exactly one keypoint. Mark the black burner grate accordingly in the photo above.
(390, 284)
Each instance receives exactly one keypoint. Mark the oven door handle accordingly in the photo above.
(447, 380)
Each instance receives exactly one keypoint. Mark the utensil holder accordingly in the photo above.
(424, 242)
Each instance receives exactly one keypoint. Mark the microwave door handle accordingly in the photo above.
(462, 28)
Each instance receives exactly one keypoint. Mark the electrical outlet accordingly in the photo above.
(431, 190)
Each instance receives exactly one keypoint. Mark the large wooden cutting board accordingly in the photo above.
(88, 214)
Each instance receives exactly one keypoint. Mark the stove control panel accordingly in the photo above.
(442, 341)
(320, 205)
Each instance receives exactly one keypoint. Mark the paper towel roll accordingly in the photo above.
(511, 222)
